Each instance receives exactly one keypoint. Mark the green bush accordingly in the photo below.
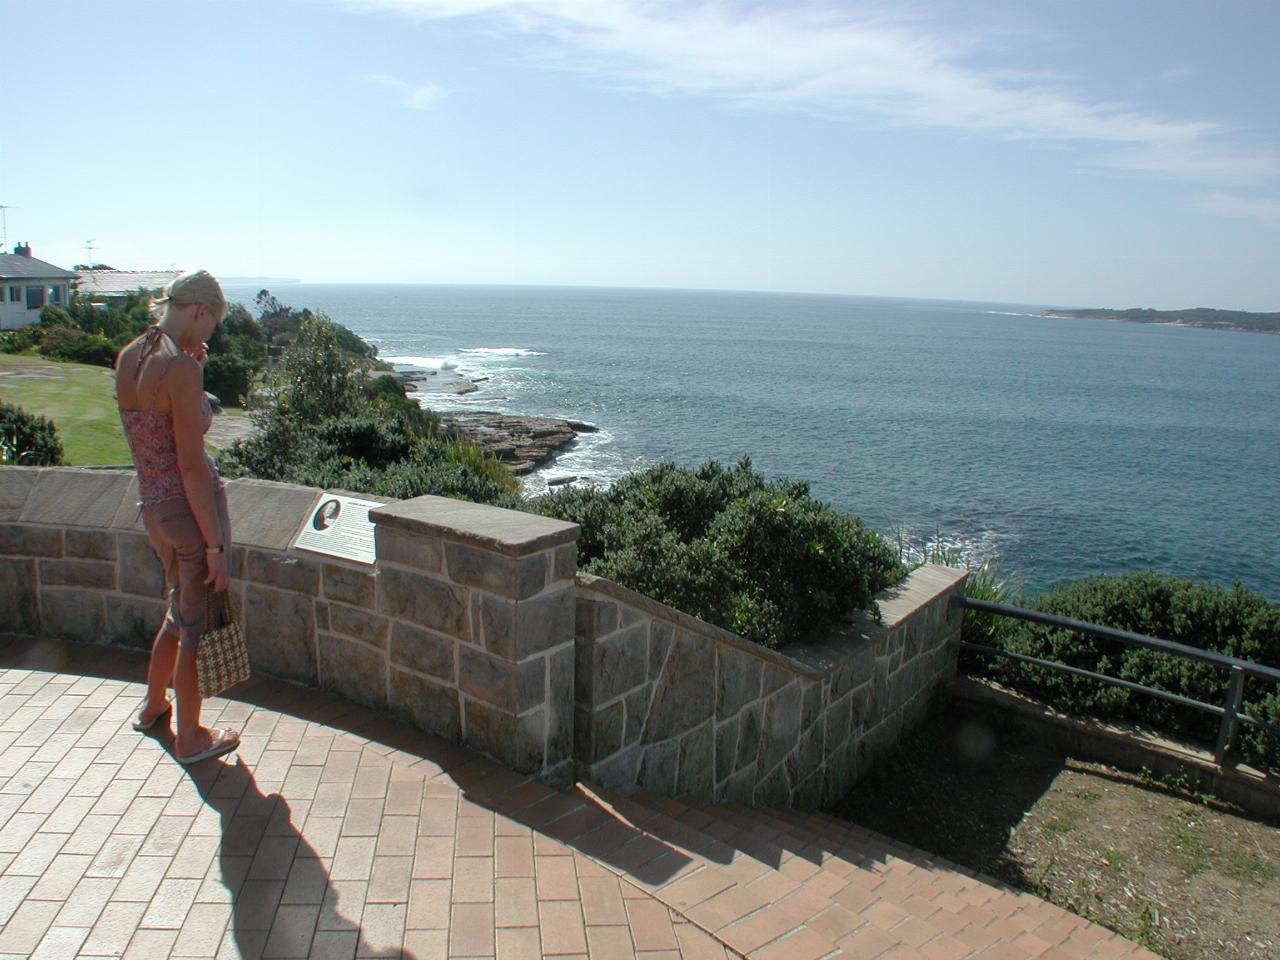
(758, 557)
(74, 345)
(23, 340)
(27, 440)
(1235, 622)
(386, 397)
(377, 442)
(237, 356)
(365, 455)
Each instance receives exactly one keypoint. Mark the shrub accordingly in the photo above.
(27, 440)
(386, 397)
(756, 556)
(23, 340)
(987, 581)
(228, 377)
(237, 355)
(1235, 622)
(76, 346)
(366, 454)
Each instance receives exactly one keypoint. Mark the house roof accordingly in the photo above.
(115, 283)
(14, 267)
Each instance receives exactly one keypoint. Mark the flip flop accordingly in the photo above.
(224, 742)
(142, 726)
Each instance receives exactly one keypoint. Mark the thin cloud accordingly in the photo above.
(1264, 209)
(854, 66)
(421, 96)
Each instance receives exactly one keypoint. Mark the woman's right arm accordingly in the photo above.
(185, 381)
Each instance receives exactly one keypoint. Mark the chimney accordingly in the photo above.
(22, 250)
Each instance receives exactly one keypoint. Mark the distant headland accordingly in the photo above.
(1205, 317)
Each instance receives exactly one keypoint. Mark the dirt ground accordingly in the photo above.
(1189, 877)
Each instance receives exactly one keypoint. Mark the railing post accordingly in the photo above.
(1224, 754)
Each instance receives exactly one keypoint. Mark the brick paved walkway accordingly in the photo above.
(336, 833)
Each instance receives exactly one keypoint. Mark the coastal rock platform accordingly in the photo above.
(522, 443)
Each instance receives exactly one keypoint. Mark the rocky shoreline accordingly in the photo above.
(521, 443)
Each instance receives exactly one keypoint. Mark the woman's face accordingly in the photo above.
(206, 321)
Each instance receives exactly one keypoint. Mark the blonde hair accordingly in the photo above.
(198, 286)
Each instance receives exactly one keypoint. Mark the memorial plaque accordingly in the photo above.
(340, 527)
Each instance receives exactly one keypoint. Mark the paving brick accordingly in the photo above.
(518, 943)
(473, 880)
(651, 925)
(610, 943)
(27, 926)
(563, 931)
(471, 930)
(602, 901)
(516, 902)
(114, 929)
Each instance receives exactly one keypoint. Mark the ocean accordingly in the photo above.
(1062, 447)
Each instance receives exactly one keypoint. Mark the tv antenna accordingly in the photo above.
(88, 245)
(4, 225)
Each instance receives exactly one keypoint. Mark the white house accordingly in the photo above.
(27, 284)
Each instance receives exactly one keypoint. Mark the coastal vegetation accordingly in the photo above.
(327, 417)
(1234, 621)
(27, 439)
(1206, 317)
(759, 557)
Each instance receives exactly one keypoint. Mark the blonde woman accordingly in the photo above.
(160, 393)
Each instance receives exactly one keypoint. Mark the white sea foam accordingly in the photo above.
(423, 363)
(1010, 313)
(918, 545)
(593, 460)
(482, 352)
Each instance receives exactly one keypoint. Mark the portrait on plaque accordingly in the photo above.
(326, 514)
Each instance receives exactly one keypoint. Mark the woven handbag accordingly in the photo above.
(222, 659)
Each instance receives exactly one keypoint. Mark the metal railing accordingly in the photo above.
(1230, 714)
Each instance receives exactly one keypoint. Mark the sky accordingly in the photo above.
(1092, 153)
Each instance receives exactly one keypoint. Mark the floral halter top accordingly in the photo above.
(150, 436)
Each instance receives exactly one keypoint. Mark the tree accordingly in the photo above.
(317, 379)
(27, 440)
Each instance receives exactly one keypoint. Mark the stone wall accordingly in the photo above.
(472, 626)
(675, 705)
(464, 627)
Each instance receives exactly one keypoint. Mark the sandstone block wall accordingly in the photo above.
(463, 627)
(675, 705)
(472, 625)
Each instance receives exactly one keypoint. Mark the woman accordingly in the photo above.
(160, 393)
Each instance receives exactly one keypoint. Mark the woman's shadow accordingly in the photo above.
(283, 901)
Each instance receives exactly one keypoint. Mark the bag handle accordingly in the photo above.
(223, 607)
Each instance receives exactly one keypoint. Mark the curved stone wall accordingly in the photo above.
(473, 624)
(675, 705)
(463, 626)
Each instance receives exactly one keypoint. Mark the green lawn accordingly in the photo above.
(78, 398)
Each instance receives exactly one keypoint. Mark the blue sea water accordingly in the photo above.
(1064, 447)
